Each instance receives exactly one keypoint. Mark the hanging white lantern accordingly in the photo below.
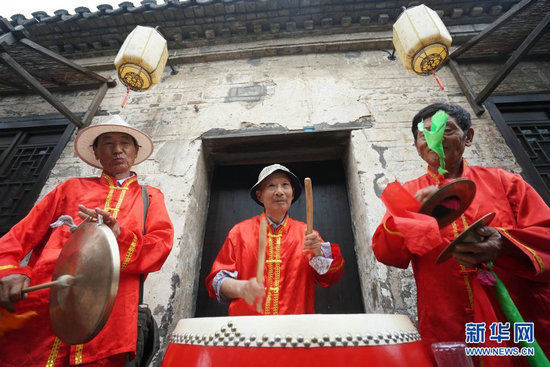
(421, 40)
(142, 58)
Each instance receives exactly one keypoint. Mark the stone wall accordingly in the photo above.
(292, 91)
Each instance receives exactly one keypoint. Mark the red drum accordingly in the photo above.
(297, 340)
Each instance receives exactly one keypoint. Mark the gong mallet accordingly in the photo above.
(261, 258)
(309, 211)
(65, 280)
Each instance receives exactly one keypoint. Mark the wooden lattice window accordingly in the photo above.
(29, 147)
(524, 121)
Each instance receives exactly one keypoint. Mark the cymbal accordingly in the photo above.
(78, 312)
(450, 201)
(468, 236)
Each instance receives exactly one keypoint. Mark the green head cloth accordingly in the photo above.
(434, 137)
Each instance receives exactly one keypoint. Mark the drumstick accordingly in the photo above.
(309, 212)
(63, 281)
(309, 205)
(261, 258)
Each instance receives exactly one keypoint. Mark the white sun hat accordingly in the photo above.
(115, 124)
(269, 170)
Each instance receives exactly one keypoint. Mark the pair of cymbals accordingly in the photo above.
(447, 204)
(449, 201)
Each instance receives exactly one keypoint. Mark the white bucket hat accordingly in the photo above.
(85, 139)
(269, 170)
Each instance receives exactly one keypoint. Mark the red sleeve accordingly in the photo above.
(146, 254)
(388, 244)
(403, 230)
(31, 231)
(335, 271)
(531, 232)
(224, 261)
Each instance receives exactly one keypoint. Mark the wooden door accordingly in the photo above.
(230, 203)
(29, 148)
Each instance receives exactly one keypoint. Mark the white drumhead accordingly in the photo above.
(316, 330)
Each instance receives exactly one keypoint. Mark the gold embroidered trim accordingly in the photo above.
(463, 268)
(53, 353)
(464, 222)
(4, 267)
(396, 233)
(468, 287)
(434, 176)
(124, 188)
(455, 229)
(129, 253)
(336, 268)
(112, 188)
(273, 269)
(78, 354)
(273, 273)
(277, 274)
(269, 273)
(114, 211)
(533, 252)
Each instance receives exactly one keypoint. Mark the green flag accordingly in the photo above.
(434, 137)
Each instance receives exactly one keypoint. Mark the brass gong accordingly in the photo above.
(461, 190)
(78, 312)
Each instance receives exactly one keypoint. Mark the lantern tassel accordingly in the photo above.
(125, 97)
(438, 80)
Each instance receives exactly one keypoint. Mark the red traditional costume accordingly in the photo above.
(289, 279)
(35, 344)
(449, 294)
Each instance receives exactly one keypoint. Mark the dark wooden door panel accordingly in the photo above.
(230, 203)
(524, 122)
(28, 151)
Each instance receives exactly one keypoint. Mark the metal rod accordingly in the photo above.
(466, 87)
(43, 50)
(96, 102)
(506, 17)
(522, 50)
(35, 84)
(174, 70)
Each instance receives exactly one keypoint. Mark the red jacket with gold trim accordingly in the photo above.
(449, 295)
(35, 343)
(289, 279)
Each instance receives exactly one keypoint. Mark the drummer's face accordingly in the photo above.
(455, 140)
(116, 152)
(276, 193)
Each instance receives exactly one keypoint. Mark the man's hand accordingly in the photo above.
(423, 194)
(312, 243)
(10, 290)
(251, 291)
(473, 254)
(108, 219)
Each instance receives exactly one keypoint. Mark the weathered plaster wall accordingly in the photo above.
(293, 91)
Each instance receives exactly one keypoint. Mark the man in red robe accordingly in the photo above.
(517, 241)
(115, 147)
(290, 273)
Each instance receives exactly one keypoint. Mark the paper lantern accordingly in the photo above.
(421, 40)
(142, 58)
